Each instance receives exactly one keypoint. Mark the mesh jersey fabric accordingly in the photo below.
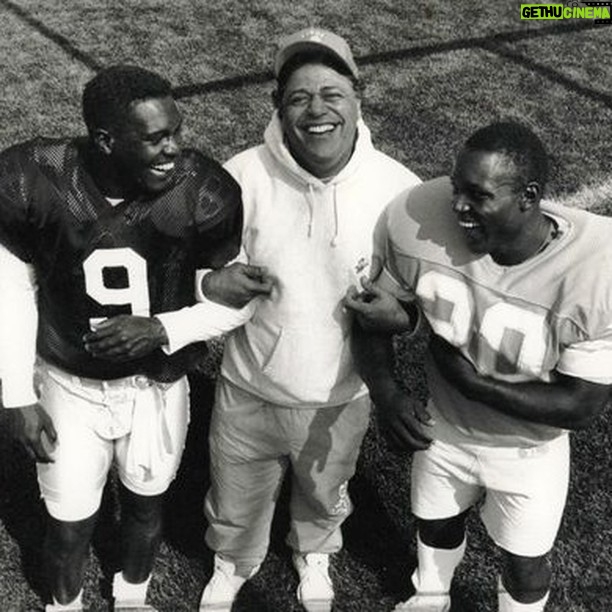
(94, 260)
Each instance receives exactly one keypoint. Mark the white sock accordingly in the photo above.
(75, 604)
(436, 567)
(507, 604)
(127, 591)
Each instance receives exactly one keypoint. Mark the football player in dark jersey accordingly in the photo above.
(100, 240)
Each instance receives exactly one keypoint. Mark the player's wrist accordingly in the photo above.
(386, 393)
(159, 332)
(225, 287)
(412, 310)
(210, 286)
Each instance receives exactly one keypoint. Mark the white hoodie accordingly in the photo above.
(315, 239)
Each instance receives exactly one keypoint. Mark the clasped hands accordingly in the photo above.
(377, 310)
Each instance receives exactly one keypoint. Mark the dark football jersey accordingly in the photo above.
(94, 260)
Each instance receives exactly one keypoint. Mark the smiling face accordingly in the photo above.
(319, 112)
(493, 206)
(144, 149)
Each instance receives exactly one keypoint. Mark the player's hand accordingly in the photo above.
(454, 366)
(403, 419)
(237, 284)
(125, 337)
(377, 310)
(33, 428)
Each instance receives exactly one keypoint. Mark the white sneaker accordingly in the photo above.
(315, 591)
(425, 603)
(74, 606)
(223, 586)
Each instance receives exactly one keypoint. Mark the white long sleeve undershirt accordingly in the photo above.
(204, 320)
(19, 323)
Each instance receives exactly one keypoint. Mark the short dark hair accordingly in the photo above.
(107, 97)
(312, 57)
(519, 143)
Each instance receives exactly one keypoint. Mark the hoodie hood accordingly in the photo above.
(275, 143)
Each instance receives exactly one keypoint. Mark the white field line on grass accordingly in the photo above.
(589, 196)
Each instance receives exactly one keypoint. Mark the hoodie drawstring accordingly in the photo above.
(334, 240)
(310, 200)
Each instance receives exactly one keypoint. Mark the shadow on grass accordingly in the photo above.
(375, 540)
(184, 522)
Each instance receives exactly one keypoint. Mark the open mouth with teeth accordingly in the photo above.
(473, 231)
(162, 169)
(323, 128)
(468, 224)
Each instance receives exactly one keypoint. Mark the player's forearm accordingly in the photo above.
(565, 402)
(19, 316)
(374, 358)
(201, 322)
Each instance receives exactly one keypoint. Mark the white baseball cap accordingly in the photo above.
(314, 39)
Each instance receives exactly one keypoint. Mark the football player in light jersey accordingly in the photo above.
(519, 299)
(111, 230)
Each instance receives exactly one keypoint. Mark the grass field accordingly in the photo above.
(435, 70)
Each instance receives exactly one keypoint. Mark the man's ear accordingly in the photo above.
(531, 196)
(103, 141)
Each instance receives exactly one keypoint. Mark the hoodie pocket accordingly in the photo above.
(262, 339)
(306, 362)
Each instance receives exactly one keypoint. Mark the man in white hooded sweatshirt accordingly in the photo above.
(289, 396)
